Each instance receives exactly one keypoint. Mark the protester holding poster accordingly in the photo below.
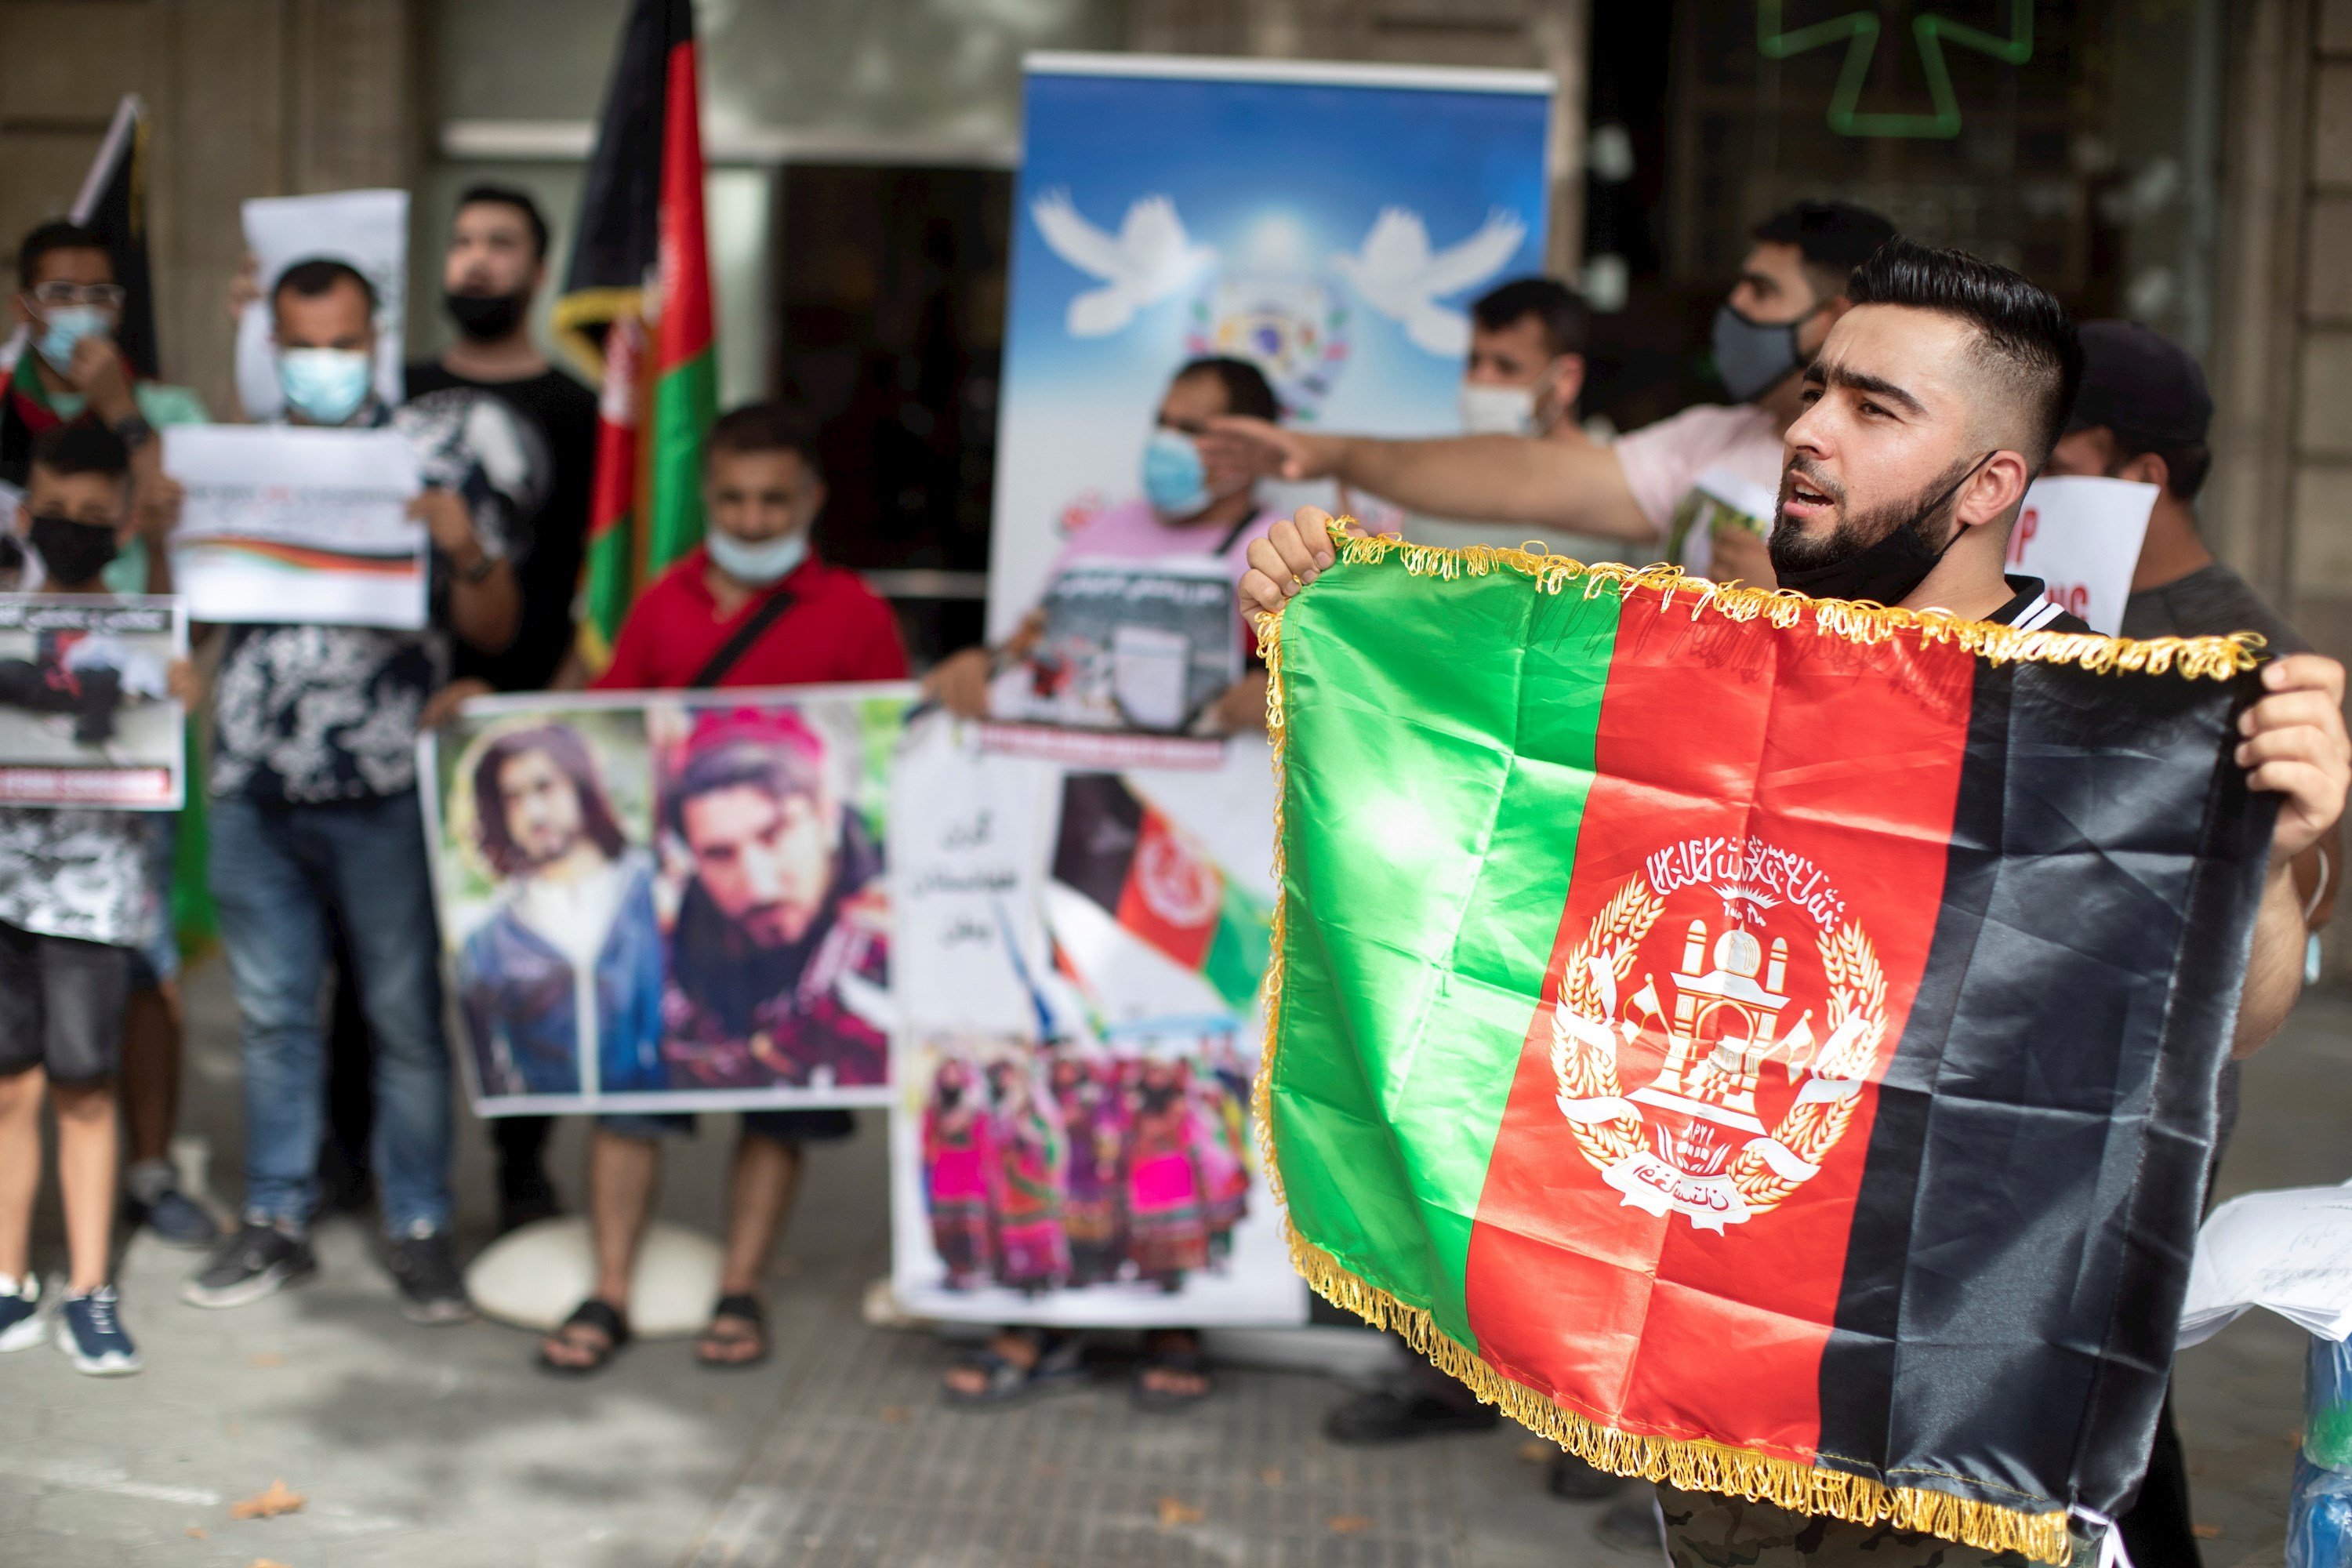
(780, 941)
(1190, 513)
(316, 820)
(76, 903)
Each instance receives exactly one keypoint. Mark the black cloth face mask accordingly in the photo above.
(1887, 571)
(486, 317)
(72, 552)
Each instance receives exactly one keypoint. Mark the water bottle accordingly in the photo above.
(2319, 1511)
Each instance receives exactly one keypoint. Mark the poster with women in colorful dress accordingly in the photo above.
(1077, 968)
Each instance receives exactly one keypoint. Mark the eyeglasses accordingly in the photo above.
(60, 295)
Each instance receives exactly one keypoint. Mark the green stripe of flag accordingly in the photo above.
(1472, 834)
(685, 402)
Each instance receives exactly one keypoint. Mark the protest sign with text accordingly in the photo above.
(1078, 959)
(2082, 538)
(283, 523)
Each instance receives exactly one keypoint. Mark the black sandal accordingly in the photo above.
(606, 1319)
(743, 1308)
(1185, 1360)
(1059, 1362)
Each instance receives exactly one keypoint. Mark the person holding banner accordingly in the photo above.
(76, 903)
(1930, 406)
(779, 919)
(1196, 500)
(72, 306)
(1700, 483)
(316, 819)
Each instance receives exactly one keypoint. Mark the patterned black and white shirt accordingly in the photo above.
(311, 714)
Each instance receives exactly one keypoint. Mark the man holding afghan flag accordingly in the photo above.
(1766, 1042)
(636, 310)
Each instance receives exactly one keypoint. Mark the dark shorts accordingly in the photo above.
(61, 1005)
(776, 1126)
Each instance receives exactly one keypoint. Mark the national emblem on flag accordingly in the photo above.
(1767, 1045)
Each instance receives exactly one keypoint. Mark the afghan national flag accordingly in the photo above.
(1158, 886)
(636, 310)
(1764, 1046)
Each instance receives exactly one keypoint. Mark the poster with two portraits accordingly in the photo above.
(668, 901)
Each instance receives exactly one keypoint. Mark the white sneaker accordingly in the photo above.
(22, 1326)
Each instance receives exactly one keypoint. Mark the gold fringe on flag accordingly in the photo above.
(1688, 1464)
(1856, 620)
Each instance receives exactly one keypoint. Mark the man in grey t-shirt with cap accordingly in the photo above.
(2144, 413)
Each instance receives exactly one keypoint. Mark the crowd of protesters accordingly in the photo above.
(317, 859)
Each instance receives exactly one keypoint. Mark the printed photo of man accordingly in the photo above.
(561, 988)
(780, 955)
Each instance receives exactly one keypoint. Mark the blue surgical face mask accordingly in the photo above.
(325, 386)
(1174, 481)
(760, 563)
(64, 328)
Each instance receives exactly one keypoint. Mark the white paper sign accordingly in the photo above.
(2290, 1251)
(289, 524)
(2082, 538)
(367, 230)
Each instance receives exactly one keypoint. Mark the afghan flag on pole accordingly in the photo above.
(1766, 1045)
(635, 310)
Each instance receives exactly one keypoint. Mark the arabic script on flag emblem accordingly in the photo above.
(1723, 958)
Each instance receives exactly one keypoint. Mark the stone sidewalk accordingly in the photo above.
(445, 1447)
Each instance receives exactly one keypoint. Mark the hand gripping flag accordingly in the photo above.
(1764, 1045)
(635, 310)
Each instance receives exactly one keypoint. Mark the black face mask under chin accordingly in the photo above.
(1884, 572)
(486, 317)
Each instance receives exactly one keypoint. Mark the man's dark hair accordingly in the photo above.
(510, 196)
(2024, 335)
(562, 745)
(780, 772)
(81, 446)
(2186, 463)
(1834, 237)
(320, 275)
(771, 427)
(1558, 309)
(57, 234)
(1247, 391)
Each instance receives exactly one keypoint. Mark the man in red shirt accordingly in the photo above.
(754, 592)
(753, 607)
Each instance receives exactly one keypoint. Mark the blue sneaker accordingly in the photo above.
(21, 1323)
(93, 1338)
(176, 1220)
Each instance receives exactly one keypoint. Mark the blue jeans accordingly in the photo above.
(277, 873)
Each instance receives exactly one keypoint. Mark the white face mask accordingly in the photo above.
(1491, 410)
(759, 564)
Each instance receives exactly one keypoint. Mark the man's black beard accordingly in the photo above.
(1794, 550)
(485, 318)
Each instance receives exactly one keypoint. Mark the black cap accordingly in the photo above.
(2136, 379)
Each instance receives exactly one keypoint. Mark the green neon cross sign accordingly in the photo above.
(1861, 29)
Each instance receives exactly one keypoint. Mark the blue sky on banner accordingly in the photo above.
(1333, 232)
